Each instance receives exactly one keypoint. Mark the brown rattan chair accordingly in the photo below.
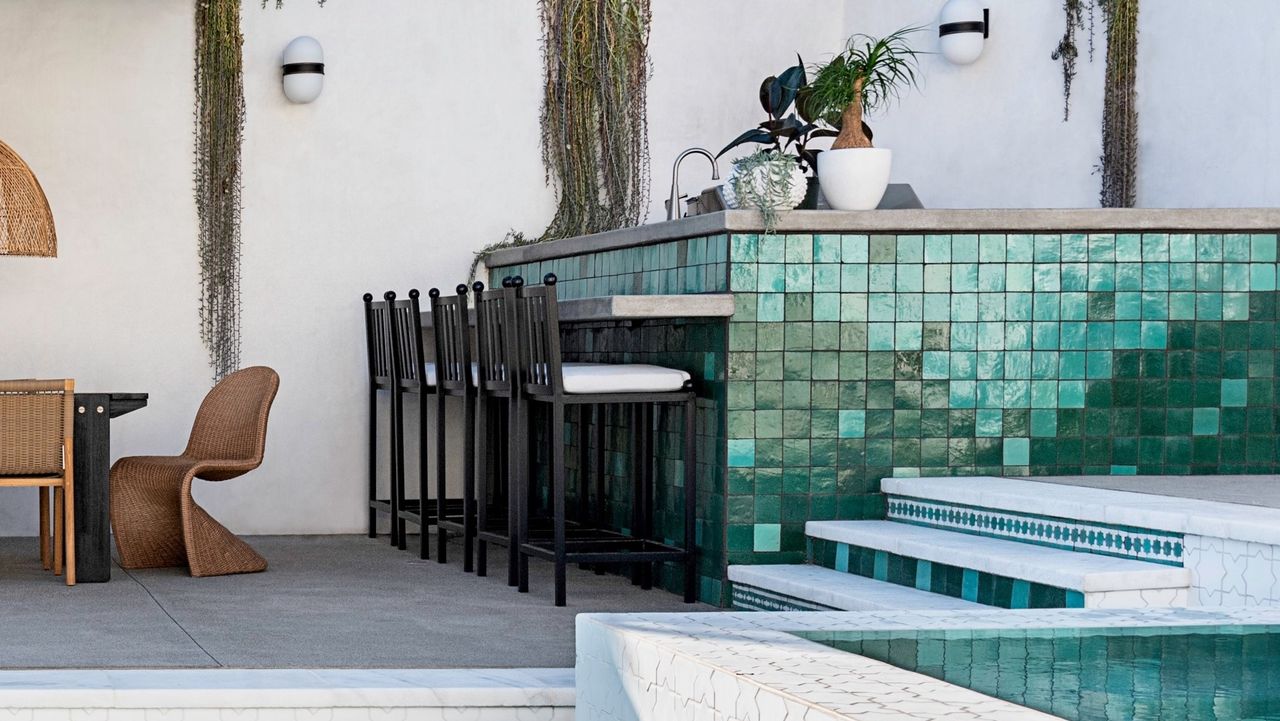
(36, 450)
(156, 521)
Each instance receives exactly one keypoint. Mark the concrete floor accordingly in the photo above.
(326, 601)
(1248, 490)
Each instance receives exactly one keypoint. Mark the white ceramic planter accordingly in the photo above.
(758, 183)
(854, 178)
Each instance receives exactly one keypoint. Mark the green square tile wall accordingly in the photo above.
(854, 357)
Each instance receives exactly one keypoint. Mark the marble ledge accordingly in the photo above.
(993, 220)
(636, 307)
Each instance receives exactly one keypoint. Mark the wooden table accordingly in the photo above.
(94, 412)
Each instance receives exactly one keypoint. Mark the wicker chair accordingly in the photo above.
(156, 521)
(36, 450)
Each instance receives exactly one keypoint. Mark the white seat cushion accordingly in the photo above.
(621, 378)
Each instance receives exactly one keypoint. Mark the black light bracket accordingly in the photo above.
(300, 68)
(971, 26)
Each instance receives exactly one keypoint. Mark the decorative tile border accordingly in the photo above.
(749, 598)
(1143, 544)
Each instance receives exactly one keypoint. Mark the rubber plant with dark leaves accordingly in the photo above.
(788, 132)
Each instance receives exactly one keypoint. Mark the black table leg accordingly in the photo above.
(93, 488)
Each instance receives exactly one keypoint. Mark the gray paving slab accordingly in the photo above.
(1257, 490)
(325, 602)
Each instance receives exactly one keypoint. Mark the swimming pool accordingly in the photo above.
(1189, 673)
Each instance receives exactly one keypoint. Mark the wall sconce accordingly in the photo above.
(303, 67)
(962, 30)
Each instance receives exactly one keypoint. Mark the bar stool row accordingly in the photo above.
(515, 377)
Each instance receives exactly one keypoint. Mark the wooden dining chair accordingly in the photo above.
(36, 420)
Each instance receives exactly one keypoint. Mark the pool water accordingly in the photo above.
(1211, 673)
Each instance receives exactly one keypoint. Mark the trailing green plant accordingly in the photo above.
(219, 125)
(1066, 52)
(760, 179)
(280, 3)
(1119, 162)
(868, 75)
(781, 131)
(595, 139)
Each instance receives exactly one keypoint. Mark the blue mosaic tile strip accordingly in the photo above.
(750, 598)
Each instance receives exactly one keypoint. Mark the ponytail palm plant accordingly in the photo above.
(867, 75)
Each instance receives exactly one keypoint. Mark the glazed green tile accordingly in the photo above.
(1128, 247)
(1234, 391)
(826, 365)
(767, 537)
(937, 249)
(798, 249)
(827, 248)
(742, 453)
(964, 307)
(1100, 335)
(1044, 422)
(1155, 247)
(1182, 306)
(1208, 306)
(992, 277)
(1102, 248)
(1182, 276)
(882, 307)
(964, 336)
(853, 278)
(963, 365)
(1075, 276)
(989, 422)
(1128, 334)
(910, 278)
(937, 307)
(1048, 248)
(1073, 335)
(910, 249)
(1071, 394)
(826, 278)
(1236, 247)
(853, 248)
(991, 306)
(1155, 335)
(1235, 306)
(1128, 306)
(799, 278)
(1044, 364)
(1205, 421)
(882, 278)
(1046, 306)
(798, 307)
(771, 248)
(990, 335)
(963, 394)
(1155, 276)
(743, 277)
(826, 306)
(1209, 248)
(992, 248)
(1075, 248)
(1263, 247)
(964, 248)
(1017, 336)
(1102, 276)
(964, 278)
(853, 307)
(1017, 364)
(1017, 394)
(990, 365)
(936, 364)
(1018, 306)
(1016, 451)
(770, 307)
(1262, 277)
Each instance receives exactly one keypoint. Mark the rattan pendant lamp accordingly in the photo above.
(26, 223)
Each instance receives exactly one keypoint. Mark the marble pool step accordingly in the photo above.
(883, 549)
(801, 587)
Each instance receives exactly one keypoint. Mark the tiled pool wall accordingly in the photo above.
(852, 357)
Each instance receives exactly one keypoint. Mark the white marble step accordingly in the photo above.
(1084, 572)
(843, 591)
(1099, 505)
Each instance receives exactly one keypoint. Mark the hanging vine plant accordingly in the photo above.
(1119, 165)
(595, 139)
(219, 86)
(1067, 52)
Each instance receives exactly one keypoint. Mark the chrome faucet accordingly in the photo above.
(674, 203)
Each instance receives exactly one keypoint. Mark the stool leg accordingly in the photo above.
(397, 466)
(442, 535)
(558, 498)
(690, 500)
(484, 442)
(468, 482)
(646, 506)
(600, 515)
(424, 467)
(512, 456)
(523, 463)
(46, 554)
(637, 481)
(373, 462)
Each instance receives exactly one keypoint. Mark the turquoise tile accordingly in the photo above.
(924, 575)
(936, 365)
(827, 248)
(771, 248)
(1182, 276)
(937, 306)
(937, 249)
(770, 308)
(1101, 335)
(1075, 599)
(1155, 334)
(1044, 335)
(882, 307)
(742, 277)
(907, 336)
(853, 307)
(853, 248)
(1235, 276)
(990, 364)
(991, 248)
(964, 307)
(1128, 276)
(1263, 248)
(853, 278)
(990, 335)
(1098, 364)
(1021, 594)
(1047, 277)
(1155, 306)
(1017, 394)
(1235, 306)
(937, 278)
(842, 557)
(1182, 306)
(826, 278)
(881, 277)
(1017, 336)
(742, 249)
(1044, 422)
(991, 306)
(1019, 248)
(1128, 306)
(1209, 248)
(1071, 394)
(910, 278)
(799, 249)
(1262, 277)
(1128, 334)
(990, 394)
(1235, 391)
(1102, 276)
(771, 277)
(964, 249)
(964, 336)
(989, 422)
(1128, 247)
(1204, 421)
(768, 537)
(1155, 276)
(910, 249)
(880, 566)
(1075, 248)
(1044, 394)
(1046, 306)
(1208, 306)
(1018, 306)
(1235, 248)
(1017, 364)
(1017, 451)
(826, 306)
(879, 336)
(742, 453)
(991, 277)
(969, 586)
(1182, 248)
(1048, 248)
(963, 394)
(1102, 248)
(963, 365)
(799, 278)
(1155, 247)
(1124, 470)
(1075, 276)
(964, 278)
(1044, 364)
(1018, 277)
(1073, 335)
(853, 423)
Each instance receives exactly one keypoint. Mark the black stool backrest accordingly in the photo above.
(377, 336)
(538, 320)
(496, 336)
(409, 357)
(450, 324)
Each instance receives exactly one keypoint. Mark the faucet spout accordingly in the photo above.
(673, 204)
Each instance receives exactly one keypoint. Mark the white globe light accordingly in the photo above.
(303, 67)
(962, 31)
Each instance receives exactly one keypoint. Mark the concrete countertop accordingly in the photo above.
(637, 307)
(905, 221)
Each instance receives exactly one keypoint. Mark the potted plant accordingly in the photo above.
(768, 181)
(868, 75)
(783, 132)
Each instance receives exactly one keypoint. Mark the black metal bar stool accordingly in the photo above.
(455, 376)
(496, 434)
(546, 380)
(377, 331)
